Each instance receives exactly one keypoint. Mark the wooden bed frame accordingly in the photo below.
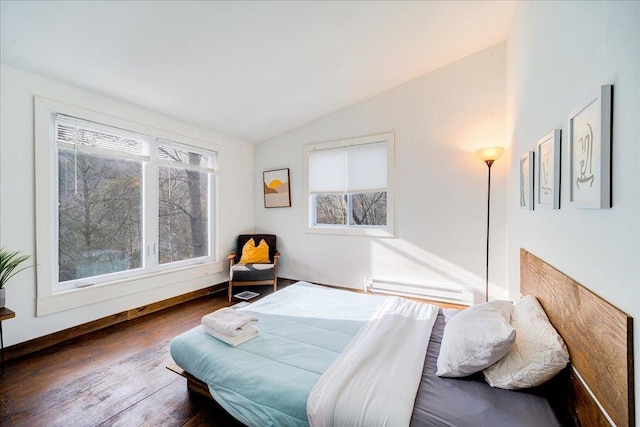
(599, 338)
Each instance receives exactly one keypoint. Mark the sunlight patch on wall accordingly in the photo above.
(400, 261)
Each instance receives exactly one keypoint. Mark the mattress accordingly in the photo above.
(303, 328)
(266, 381)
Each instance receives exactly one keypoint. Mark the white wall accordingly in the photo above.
(17, 215)
(439, 120)
(558, 54)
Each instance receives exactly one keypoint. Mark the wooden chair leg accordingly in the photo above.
(230, 290)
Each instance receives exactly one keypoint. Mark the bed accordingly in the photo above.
(305, 332)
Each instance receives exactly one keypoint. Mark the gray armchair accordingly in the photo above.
(253, 274)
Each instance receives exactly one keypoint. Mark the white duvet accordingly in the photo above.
(374, 381)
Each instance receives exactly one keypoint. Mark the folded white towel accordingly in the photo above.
(249, 332)
(228, 321)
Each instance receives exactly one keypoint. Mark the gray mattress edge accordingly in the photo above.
(470, 401)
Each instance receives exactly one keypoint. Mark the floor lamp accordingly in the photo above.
(488, 155)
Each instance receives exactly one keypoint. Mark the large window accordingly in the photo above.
(350, 186)
(128, 204)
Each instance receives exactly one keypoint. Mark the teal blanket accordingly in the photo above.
(266, 381)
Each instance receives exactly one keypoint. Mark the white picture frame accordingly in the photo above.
(590, 152)
(547, 173)
(527, 167)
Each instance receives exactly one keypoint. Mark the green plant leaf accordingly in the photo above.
(9, 261)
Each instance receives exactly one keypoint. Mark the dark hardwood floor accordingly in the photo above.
(113, 377)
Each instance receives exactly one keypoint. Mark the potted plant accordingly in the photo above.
(9, 261)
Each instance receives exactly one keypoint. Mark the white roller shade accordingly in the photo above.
(366, 167)
(351, 169)
(327, 170)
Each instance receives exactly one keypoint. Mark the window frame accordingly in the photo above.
(353, 230)
(210, 217)
(52, 298)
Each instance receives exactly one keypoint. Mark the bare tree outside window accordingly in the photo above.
(366, 209)
(183, 215)
(100, 209)
(331, 209)
(369, 208)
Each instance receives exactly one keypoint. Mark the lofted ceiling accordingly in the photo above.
(249, 70)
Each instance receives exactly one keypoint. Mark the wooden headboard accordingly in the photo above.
(600, 341)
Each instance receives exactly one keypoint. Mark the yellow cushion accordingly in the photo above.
(255, 255)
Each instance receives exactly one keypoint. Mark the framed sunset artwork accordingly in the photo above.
(277, 193)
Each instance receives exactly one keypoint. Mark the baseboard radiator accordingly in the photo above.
(425, 291)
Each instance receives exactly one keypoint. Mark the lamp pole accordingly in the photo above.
(486, 286)
(488, 155)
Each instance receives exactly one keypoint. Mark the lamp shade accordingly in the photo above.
(490, 153)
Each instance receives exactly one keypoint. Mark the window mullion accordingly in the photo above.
(213, 208)
(151, 208)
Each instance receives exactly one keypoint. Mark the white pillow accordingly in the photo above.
(475, 338)
(537, 355)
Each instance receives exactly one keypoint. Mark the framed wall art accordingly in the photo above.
(526, 180)
(277, 192)
(590, 152)
(548, 170)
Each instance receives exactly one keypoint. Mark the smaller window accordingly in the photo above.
(349, 184)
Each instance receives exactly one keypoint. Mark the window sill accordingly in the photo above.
(371, 232)
(81, 297)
